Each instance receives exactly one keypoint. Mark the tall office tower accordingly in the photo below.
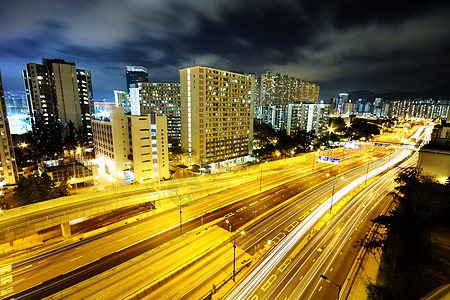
(308, 117)
(122, 99)
(276, 89)
(216, 115)
(343, 98)
(58, 91)
(136, 74)
(132, 147)
(160, 98)
(8, 168)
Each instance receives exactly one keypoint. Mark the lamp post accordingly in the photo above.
(367, 170)
(328, 280)
(181, 224)
(260, 177)
(332, 194)
(234, 249)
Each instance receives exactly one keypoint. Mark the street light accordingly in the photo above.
(332, 194)
(181, 224)
(367, 170)
(234, 247)
(330, 130)
(76, 185)
(328, 280)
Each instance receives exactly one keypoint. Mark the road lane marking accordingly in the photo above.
(6, 279)
(284, 265)
(277, 239)
(315, 206)
(251, 205)
(265, 197)
(5, 269)
(241, 209)
(291, 226)
(123, 239)
(303, 216)
(228, 215)
(269, 282)
(76, 258)
(7, 291)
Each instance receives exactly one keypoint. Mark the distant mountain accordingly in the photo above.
(438, 93)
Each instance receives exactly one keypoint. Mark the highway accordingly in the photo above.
(40, 271)
(292, 270)
(242, 215)
(79, 259)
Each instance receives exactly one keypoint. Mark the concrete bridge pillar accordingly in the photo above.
(65, 228)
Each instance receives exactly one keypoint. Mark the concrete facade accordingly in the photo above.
(8, 167)
(216, 115)
(160, 98)
(133, 146)
(57, 91)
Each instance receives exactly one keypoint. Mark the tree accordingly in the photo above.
(360, 127)
(378, 292)
(338, 124)
(33, 189)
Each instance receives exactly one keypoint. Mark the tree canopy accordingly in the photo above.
(33, 189)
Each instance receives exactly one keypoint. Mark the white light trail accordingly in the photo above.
(247, 287)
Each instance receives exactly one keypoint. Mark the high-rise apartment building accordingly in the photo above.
(302, 116)
(8, 168)
(216, 115)
(58, 91)
(275, 115)
(122, 99)
(419, 108)
(136, 74)
(280, 89)
(160, 98)
(132, 147)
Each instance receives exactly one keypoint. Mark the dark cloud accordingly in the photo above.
(342, 45)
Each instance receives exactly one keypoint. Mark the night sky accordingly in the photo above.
(341, 45)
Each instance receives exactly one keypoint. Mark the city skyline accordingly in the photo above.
(341, 46)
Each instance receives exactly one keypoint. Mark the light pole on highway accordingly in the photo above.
(339, 287)
(260, 178)
(367, 171)
(234, 249)
(181, 224)
(332, 194)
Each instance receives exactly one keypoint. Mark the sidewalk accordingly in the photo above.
(367, 273)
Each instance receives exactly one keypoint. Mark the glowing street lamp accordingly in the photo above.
(328, 280)
(330, 130)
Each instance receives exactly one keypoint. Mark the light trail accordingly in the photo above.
(247, 286)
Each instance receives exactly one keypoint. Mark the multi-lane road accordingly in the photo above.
(49, 273)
